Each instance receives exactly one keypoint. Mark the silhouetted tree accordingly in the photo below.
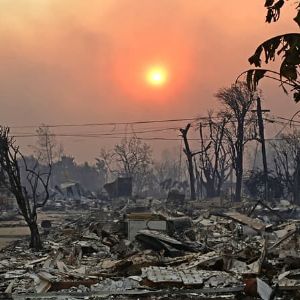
(28, 199)
(287, 162)
(47, 150)
(130, 158)
(214, 159)
(190, 159)
(238, 101)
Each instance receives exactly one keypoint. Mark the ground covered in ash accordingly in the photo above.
(152, 249)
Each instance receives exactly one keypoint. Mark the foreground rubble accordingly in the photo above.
(135, 252)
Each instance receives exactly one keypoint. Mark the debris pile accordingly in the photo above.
(137, 251)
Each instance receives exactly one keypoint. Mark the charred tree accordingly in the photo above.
(214, 160)
(287, 163)
(130, 158)
(47, 150)
(189, 155)
(28, 199)
(238, 101)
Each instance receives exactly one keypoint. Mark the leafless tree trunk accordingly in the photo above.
(47, 150)
(214, 158)
(238, 101)
(189, 156)
(130, 158)
(28, 200)
(287, 163)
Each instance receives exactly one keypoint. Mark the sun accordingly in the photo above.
(157, 76)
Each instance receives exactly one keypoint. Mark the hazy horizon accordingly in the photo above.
(78, 62)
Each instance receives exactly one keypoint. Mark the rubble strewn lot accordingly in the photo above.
(150, 250)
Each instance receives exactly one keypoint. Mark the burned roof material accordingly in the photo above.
(187, 253)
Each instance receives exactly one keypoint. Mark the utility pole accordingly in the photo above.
(260, 121)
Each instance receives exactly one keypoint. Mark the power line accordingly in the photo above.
(30, 134)
(194, 119)
(117, 134)
(289, 120)
(109, 123)
(120, 137)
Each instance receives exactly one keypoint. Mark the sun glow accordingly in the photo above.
(157, 76)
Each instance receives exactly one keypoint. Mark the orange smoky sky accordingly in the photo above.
(74, 61)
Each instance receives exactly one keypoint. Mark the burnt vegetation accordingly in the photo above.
(211, 162)
(30, 196)
(217, 218)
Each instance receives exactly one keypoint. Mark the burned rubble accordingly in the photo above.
(148, 250)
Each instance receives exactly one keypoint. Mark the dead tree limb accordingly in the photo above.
(28, 200)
